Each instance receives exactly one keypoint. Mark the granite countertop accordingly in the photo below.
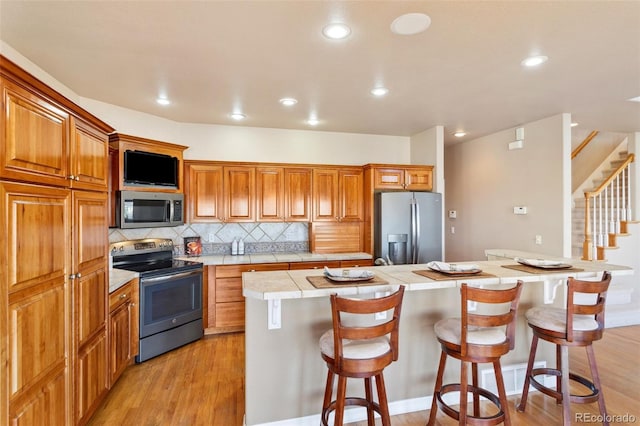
(228, 259)
(293, 284)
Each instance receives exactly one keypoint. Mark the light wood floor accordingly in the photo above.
(203, 384)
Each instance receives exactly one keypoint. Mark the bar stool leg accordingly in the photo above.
(369, 397)
(328, 391)
(436, 389)
(502, 393)
(340, 400)
(596, 381)
(463, 393)
(527, 377)
(559, 362)
(476, 396)
(382, 400)
(566, 394)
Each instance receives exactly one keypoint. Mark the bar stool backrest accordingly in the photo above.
(472, 320)
(390, 327)
(599, 289)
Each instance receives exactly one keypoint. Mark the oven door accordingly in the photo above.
(169, 301)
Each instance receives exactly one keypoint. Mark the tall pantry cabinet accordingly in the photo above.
(53, 280)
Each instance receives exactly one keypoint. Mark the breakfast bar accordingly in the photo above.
(287, 312)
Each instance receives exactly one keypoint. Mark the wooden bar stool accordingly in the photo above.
(580, 324)
(477, 337)
(360, 351)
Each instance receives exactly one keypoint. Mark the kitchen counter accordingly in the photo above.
(286, 315)
(228, 259)
(119, 277)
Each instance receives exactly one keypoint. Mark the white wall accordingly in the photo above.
(428, 148)
(485, 180)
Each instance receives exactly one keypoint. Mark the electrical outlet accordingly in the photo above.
(212, 237)
(538, 239)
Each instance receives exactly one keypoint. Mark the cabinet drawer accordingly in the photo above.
(230, 314)
(235, 271)
(355, 263)
(315, 265)
(229, 290)
(120, 296)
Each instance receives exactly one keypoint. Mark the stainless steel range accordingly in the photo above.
(170, 294)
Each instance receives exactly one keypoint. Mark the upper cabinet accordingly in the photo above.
(283, 194)
(47, 139)
(338, 194)
(220, 193)
(162, 166)
(408, 178)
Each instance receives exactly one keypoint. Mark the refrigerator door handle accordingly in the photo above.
(416, 222)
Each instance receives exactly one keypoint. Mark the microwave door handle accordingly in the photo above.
(169, 211)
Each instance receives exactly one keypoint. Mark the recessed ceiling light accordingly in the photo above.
(336, 31)
(163, 101)
(459, 134)
(574, 124)
(410, 23)
(238, 116)
(636, 99)
(379, 91)
(313, 122)
(534, 61)
(288, 101)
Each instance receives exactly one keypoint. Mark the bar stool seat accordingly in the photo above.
(580, 324)
(476, 337)
(360, 350)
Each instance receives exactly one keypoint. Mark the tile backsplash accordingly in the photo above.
(259, 237)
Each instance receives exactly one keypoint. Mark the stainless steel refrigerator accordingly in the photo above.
(408, 227)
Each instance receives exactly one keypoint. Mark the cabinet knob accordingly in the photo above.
(72, 276)
(123, 296)
(72, 177)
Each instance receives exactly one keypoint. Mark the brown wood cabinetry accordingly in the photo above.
(122, 143)
(239, 194)
(36, 311)
(90, 296)
(123, 328)
(53, 293)
(225, 304)
(204, 192)
(338, 194)
(220, 193)
(418, 178)
(283, 194)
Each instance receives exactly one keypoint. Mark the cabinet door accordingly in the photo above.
(240, 193)
(119, 340)
(90, 295)
(419, 179)
(387, 178)
(270, 194)
(351, 195)
(89, 157)
(297, 194)
(36, 380)
(34, 138)
(325, 195)
(204, 193)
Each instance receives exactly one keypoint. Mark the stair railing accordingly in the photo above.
(606, 212)
(583, 144)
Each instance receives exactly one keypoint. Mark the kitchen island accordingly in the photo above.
(286, 315)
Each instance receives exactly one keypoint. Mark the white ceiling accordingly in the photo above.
(464, 72)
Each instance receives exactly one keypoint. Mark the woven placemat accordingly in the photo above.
(323, 282)
(539, 271)
(439, 276)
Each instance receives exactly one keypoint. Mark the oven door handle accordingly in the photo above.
(172, 276)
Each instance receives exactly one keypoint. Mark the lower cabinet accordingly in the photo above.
(123, 328)
(225, 302)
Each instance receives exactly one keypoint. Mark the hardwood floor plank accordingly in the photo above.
(203, 384)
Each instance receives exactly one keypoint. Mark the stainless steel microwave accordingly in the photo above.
(140, 209)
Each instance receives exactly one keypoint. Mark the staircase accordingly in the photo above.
(578, 211)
